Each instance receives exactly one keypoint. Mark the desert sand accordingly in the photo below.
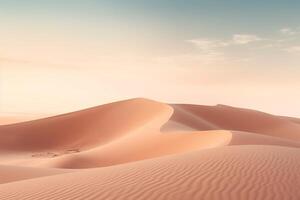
(144, 149)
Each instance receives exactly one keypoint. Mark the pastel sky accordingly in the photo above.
(58, 56)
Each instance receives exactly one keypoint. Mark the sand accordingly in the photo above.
(17, 173)
(230, 118)
(144, 149)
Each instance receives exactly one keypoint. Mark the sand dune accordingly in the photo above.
(237, 172)
(15, 173)
(143, 149)
(100, 125)
(139, 137)
(15, 118)
(139, 147)
(230, 118)
(246, 138)
(292, 119)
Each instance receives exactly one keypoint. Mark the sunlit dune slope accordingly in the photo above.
(138, 147)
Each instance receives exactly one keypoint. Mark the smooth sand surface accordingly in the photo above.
(16, 173)
(144, 149)
(236, 172)
(137, 148)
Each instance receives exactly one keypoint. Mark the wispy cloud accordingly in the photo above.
(192, 60)
(288, 31)
(293, 49)
(241, 39)
(237, 39)
(209, 51)
(212, 51)
(208, 44)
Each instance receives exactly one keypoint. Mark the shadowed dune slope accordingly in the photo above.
(83, 129)
(246, 138)
(219, 117)
(292, 119)
(235, 172)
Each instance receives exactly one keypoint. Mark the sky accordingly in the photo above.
(58, 56)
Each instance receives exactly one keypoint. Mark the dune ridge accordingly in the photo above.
(144, 149)
(134, 143)
(65, 132)
(237, 119)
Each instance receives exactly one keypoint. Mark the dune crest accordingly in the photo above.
(83, 129)
(238, 119)
(144, 149)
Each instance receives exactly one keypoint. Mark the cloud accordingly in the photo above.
(293, 49)
(287, 31)
(209, 51)
(192, 60)
(212, 45)
(208, 45)
(241, 39)
(212, 50)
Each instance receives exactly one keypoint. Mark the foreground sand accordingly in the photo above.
(143, 149)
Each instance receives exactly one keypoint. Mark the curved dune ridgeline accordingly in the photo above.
(144, 149)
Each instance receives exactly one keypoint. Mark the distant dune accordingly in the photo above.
(144, 149)
(230, 118)
(13, 119)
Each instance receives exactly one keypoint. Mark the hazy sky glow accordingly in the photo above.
(60, 56)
